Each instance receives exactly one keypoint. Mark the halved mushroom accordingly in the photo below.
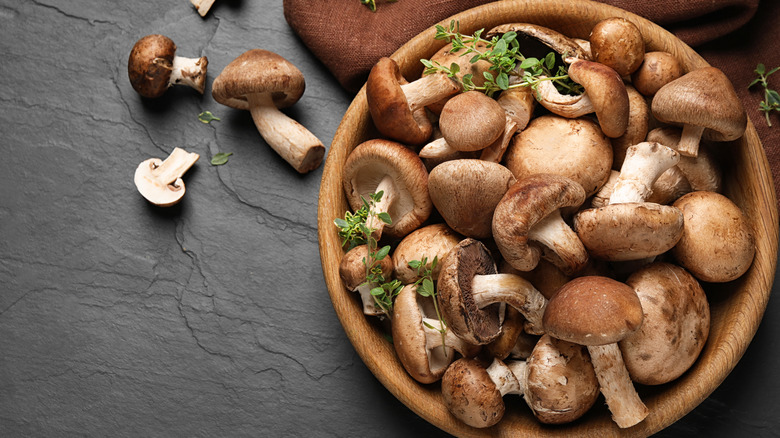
(599, 312)
(383, 165)
(263, 82)
(618, 44)
(353, 270)
(429, 242)
(160, 181)
(153, 67)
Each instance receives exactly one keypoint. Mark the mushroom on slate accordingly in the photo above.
(705, 104)
(202, 6)
(421, 348)
(598, 312)
(263, 82)
(675, 327)
(717, 243)
(397, 106)
(429, 242)
(160, 181)
(465, 193)
(153, 67)
(618, 44)
(470, 294)
(527, 223)
(352, 270)
(383, 165)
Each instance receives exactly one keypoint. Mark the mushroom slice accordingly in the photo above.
(527, 223)
(598, 312)
(263, 82)
(383, 165)
(160, 181)
(352, 270)
(705, 104)
(675, 327)
(153, 67)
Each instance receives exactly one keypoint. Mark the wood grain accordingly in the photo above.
(737, 308)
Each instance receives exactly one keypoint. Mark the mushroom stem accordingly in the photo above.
(389, 195)
(438, 148)
(433, 338)
(190, 72)
(507, 379)
(644, 163)
(159, 181)
(689, 140)
(513, 290)
(369, 304)
(616, 386)
(428, 89)
(568, 254)
(288, 138)
(172, 168)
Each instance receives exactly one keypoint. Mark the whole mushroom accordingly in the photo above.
(429, 242)
(657, 69)
(264, 82)
(153, 67)
(618, 44)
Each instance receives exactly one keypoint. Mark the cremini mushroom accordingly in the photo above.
(618, 44)
(263, 82)
(465, 193)
(429, 242)
(397, 106)
(159, 181)
(352, 270)
(705, 104)
(657, 69)
(599, 312)
(390, 167)
(202, 6)
(675, 327)
(717, 243)
(153, 66)
(446, 56)
(527, 223)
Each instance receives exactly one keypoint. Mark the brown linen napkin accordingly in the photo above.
(734, 35)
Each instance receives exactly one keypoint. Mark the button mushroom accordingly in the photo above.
(353, 270)
(160, 181)
(263, 82)
(675, 327)
(383, 165)
(153, 67)
(527, 223)
(429, 242)
(657, 69)
(618, 44)
(598, 312)
(705, 104)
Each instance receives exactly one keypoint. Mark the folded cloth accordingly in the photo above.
(734, 35)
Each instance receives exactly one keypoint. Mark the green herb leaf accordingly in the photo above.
(220, 158)
(207, 117)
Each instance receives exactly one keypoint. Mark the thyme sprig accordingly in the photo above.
(503, 53)
(426, 288)
(771, 100)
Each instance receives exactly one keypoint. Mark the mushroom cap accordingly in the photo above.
(525, 204)
(369, 163)
(537, 41)
(258, 71)
(703, 97)
(446, 57)
(471, 395)
(150, 65)
(607, 93)
(409, 340)
(717, 243)
(471, 121)
(352, 268)
(676, 324)
(574, 148)
(466, 191)
(431, 241)
(593, 310)
(636, 130)
(561, 384)
(657, 69)
(389, 107)
(630, 231)
(618, 44)
(468, 258)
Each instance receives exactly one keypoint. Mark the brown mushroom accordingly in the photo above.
(537, 41)
(703, 172)
(618, 44)
(675, 327)
(429, 242)
(153, 67)
(717, 243)
(263, 82)
(657, 69)
(385, 166)
(705, 104)
(636, 130)
(159, 181)
(353, 270)
(446, 56)
(598, 312)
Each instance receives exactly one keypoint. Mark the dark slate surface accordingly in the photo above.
(210, 318)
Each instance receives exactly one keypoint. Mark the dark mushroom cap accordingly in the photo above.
(470, 394)
(593, 310)
(258, 71)
(468, 258)
(371, 161)
(150, 65)
(389, 107)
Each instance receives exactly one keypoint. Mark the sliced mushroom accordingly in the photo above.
(160, 181)
(263, 82)
(153, 67)
(353, 270)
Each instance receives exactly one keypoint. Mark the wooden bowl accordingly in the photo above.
(736, 307)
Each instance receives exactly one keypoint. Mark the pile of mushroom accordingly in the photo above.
(572, 239)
